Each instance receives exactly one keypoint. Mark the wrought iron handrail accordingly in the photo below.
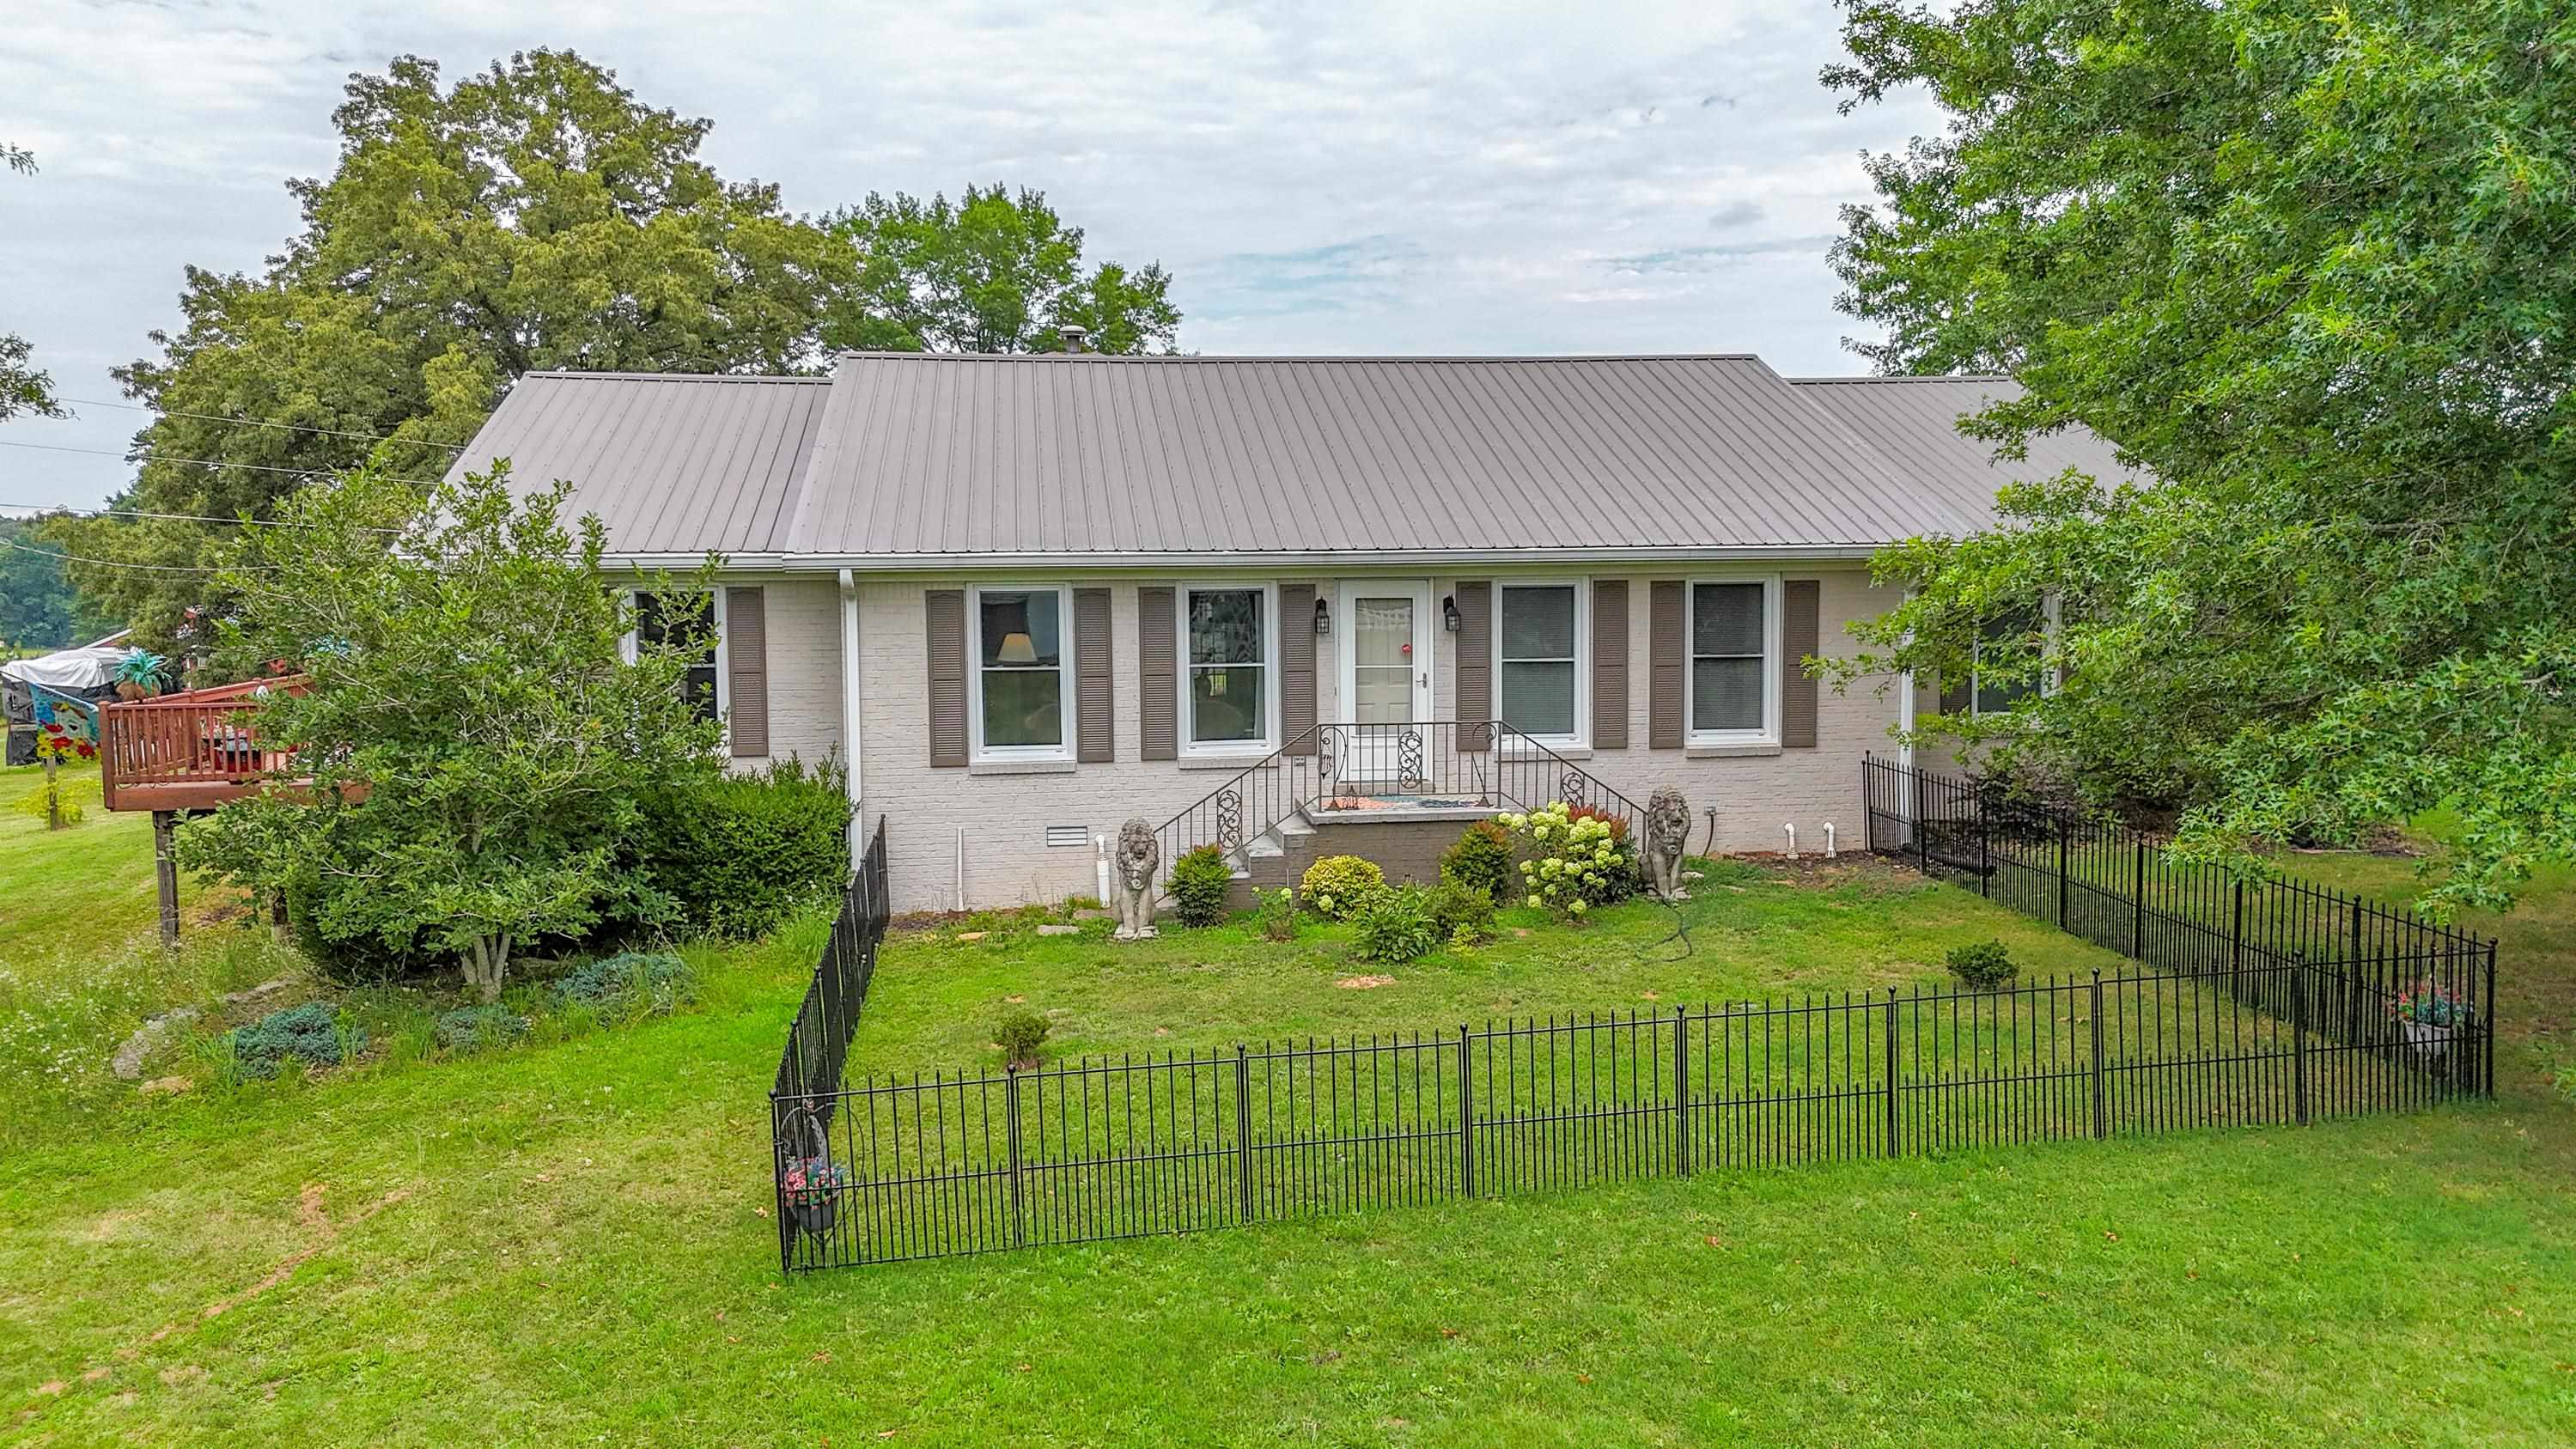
(1482, 762)
(1217, 818)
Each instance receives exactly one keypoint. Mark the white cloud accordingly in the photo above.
(1334, 177)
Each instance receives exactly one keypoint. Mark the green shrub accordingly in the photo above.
(1200, 879)
(474, 1028)
(1396, 925)
(345, 958)
(1461, 912)
(740, 854)
(307, 1033)
(1341, 885)
(1982, 965)
(1481, 859)
(1277, 913)
(633, 980)
(1622, 881)
(1019, 1034)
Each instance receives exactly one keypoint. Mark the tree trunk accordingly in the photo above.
(485, 961)
(53, 794)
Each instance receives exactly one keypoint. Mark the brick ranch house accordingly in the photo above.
(1290, 606)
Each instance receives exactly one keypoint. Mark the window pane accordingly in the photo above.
(1539, 698)
(1226, 704)
(1538, 623)
(1726, 694)
(1023, 707)
(2016, 632)
(1225, 626)
(1382, 634)
(684, 620)
(1726, 618)
(699, 689)
(1019, 628)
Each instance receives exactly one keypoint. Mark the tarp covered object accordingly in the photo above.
(73, 671)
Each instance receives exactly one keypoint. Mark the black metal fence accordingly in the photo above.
(2244, 1018)
(944, 1164)
(805, 1095)
(2367, 977)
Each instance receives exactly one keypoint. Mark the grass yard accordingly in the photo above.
(571, 1241)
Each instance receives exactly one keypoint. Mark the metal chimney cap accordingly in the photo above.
(1074, 337)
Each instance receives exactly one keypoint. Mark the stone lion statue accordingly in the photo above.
(1133, 879)
(1668, 821)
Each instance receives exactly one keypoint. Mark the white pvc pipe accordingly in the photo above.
(1792, 828)
(1829, 840)
(961, 867)
(1100, 849)
(850, 710)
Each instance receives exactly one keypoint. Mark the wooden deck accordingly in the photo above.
(189, 751)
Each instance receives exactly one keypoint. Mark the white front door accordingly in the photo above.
(1386, 669)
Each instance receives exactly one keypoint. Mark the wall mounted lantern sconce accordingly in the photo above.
(1449, 613)
(1323, 618)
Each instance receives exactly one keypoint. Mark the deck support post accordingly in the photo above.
(165, 872)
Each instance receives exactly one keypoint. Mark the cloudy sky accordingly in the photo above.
(1421, 177)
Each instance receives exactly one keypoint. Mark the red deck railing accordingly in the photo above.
(186, 751)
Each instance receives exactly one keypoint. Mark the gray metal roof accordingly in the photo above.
(902, 457)
(671, 464)
(1916, 420)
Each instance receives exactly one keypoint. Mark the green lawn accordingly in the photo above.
(572, 1242)
(80, 887)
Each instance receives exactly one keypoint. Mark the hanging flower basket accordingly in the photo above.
(812, 1189)
(2430, 1016)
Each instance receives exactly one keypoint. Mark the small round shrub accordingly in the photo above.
(1277, 913)
(1341, 885)
(307, 1033)
(1200, 880)
(475, 1028)
(1481, 859)
(1019, 1034)
(1461, 912)
(655, 981)
(1396, 925)
(1982, 965)
(1618, 884)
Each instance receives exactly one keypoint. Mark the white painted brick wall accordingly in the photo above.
(1004, 816)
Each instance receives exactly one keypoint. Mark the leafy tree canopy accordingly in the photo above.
(2316, 268)
(467, 662)
(992, 273)
(38, 607)
(535, 215)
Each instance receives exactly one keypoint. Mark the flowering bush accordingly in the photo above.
(2430, 1005)
(1571, 862)
(813, 1181)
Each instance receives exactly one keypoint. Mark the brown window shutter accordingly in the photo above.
(1668, 661)
(1095, 735)
(1158, 730)
(1475, 662)
(1610, 664)
(747, 671)
(1296, 624)
(1800, 602)
(944, 610)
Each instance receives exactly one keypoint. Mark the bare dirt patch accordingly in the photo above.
(1364, 983)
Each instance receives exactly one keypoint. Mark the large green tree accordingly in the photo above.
(2315, 266)
(993, 272)
(475, 743)
(38, 607)
(534, 215)
(24, 388)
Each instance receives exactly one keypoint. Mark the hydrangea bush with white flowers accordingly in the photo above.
(1568, 862)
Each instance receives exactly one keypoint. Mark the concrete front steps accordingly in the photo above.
(1405, 841)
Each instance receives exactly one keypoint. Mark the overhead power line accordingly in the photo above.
(92, 402)
(111, 563)
(192, 462)
(170, 517)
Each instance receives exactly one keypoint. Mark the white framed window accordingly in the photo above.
(1019, 701)
(1734, 660)
(1229, 668)
(658, 620)
(1542, 641)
